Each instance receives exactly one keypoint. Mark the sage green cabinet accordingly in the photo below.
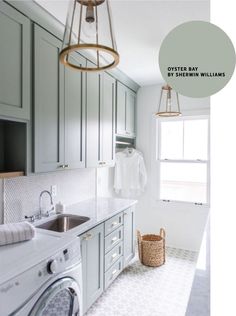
(93, 102)
(129, 235)
(59, 108)
(15, 39)
(107, 120)
(92, 248)
(100, 96)
(49, 114)
(74, 116)
(130, 112)
(125, 111)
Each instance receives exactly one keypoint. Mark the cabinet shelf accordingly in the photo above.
(12, 174)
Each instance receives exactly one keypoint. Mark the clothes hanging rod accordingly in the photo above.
(124, 143)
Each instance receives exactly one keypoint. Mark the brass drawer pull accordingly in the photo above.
(88, 236)
(102, 163)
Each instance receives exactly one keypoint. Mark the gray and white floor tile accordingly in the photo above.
(146, 291)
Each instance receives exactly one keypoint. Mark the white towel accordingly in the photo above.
(16, 232)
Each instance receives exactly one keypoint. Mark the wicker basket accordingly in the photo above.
(151, 249)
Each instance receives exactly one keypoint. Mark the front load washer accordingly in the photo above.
(52, 287)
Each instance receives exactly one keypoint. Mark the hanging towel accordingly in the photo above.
(16, 232)
(130, 173)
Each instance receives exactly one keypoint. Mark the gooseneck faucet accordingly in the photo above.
(47, 213)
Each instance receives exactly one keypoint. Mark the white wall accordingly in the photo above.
(184, 222)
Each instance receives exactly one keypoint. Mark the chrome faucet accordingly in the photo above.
(47, 213)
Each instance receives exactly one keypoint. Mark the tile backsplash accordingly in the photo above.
(20, 196)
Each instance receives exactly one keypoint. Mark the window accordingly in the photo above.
(183, 159)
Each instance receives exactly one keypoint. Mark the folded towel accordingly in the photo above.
(16, 232)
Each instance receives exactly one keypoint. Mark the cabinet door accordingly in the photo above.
(92, 246)
(120, 109)
(107, 119)
(48, 102)
(130, 112)
(14, 63)
(74, 116)
(92, 119)
(129, 235)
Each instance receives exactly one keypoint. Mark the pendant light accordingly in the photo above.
(89, 29)
(169, 103)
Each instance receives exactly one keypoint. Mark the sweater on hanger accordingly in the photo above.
(130, 173)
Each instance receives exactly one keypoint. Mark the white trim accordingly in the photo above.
(184, 160)
(197, 204)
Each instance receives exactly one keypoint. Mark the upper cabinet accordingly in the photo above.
(14, 63)
(93, 100)
(107, 121)
(100, 96)
(125, 111)
(48, 103)
(74, 116)
(58, 108)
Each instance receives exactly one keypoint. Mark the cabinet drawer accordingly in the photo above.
(113, 239)
(113, 255)
(113, 223)
(113, 272)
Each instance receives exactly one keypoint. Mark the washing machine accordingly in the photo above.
(51, 287)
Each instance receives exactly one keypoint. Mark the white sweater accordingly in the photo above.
(130, 173)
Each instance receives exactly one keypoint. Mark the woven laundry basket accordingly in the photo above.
(151, 249)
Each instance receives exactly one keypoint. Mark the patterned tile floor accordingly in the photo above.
(145, 291)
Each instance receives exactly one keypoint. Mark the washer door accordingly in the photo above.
(61, 299)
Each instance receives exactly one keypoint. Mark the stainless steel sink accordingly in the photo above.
(63, 223)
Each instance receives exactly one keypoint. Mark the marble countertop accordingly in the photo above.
(46, 242)
(98, 210)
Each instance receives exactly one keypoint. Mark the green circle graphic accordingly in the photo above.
(197, 59)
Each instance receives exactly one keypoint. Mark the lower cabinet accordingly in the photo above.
(92, 247)
(129, 235)
(106, 251)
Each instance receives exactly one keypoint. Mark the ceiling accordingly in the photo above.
(140, 26)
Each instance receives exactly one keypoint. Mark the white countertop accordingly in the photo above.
(18, 257)
(98, 210)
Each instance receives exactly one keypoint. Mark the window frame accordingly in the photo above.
(160, 160)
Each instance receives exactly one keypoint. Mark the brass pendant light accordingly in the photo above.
(89, 29)
(169, 103)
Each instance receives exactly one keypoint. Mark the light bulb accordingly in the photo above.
(169, 104)
(89, 28)
(169, 100)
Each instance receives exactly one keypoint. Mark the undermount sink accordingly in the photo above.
(63, 223)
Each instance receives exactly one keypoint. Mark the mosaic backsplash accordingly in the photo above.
(21, 195)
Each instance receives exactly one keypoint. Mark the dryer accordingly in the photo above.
(50, 287)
